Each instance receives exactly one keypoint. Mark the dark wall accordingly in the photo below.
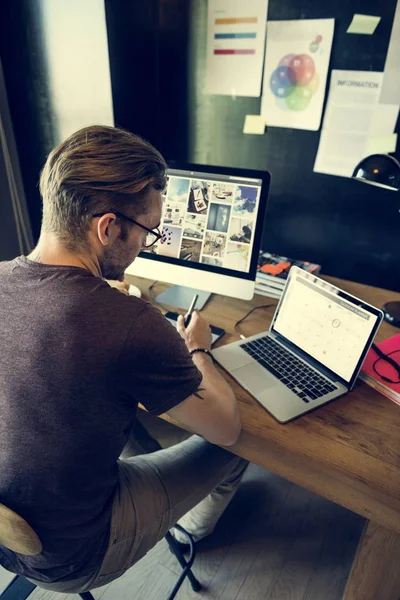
(351, 229)
(157, 58)
(9, 247)
(22, 52)
(133, 38)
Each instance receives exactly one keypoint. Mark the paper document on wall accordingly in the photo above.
(295, 71)
(382, 144)
(235, 46)
(351, 119)
(390, 93)
(254, 124)
(365, 24)
(384, 119)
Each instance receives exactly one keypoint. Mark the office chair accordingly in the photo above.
(18, 536)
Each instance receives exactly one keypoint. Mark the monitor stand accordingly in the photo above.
(181, 297)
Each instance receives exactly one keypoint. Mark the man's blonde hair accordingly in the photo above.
(97, 169)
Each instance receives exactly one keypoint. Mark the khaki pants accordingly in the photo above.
(190, 483)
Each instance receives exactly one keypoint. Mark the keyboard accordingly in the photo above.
(306, 383)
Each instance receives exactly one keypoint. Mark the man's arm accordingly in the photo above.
(212, 410)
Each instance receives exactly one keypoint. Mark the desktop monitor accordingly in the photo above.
(212, 225)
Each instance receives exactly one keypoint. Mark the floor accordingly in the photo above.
(276, 541)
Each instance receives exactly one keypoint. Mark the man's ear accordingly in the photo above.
(107, 230)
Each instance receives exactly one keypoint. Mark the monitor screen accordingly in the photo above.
(331, 326)
(209, 219)
(211, 223)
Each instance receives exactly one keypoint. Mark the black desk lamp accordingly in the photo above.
(383, 171)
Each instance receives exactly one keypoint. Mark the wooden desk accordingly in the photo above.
(347, 451)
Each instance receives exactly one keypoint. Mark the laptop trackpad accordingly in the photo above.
(255, 378)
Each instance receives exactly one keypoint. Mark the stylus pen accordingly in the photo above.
(191, 308)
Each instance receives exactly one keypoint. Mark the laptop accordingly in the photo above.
(312, 353)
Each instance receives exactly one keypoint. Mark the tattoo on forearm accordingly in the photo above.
(198, 395)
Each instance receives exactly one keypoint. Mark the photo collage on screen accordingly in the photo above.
(208, 222)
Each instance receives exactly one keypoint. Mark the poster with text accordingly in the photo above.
(354, 122)
(295, 71)
(235, 46)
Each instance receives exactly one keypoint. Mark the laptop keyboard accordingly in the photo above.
(306, 383)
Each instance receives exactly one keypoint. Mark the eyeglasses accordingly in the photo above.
(153, 235)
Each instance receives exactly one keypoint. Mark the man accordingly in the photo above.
(77, 357)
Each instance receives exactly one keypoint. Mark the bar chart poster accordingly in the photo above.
(235, 46)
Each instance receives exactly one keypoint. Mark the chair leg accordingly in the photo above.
(18, 589)
(186, 565)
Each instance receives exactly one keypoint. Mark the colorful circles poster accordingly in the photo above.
(296, 66)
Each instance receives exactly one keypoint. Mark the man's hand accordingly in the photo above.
(121, 286)
(212, 410)
(197, 334)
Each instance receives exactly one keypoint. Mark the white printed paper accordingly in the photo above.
(235, 46)
(382, 144)
(384, 119)
(295, 71)
(390, 93)
(349, 121)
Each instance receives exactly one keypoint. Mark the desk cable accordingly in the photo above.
(243, 337)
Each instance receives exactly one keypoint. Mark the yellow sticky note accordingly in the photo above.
(254, 124)
(382, 144)
(365, 24)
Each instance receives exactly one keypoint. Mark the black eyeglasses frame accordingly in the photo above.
(155, 232)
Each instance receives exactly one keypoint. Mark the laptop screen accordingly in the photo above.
(331, 326)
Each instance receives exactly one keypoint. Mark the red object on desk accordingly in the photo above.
(372, 377)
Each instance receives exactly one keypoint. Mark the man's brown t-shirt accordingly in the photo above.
(77, 357)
